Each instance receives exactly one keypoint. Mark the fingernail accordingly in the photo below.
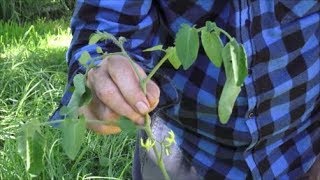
(142, 107)
(151, 99)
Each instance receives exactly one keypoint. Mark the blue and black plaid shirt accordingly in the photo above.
(274, 130)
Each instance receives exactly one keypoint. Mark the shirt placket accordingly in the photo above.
(244, 19)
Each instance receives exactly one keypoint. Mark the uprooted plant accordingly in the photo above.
(184, 53)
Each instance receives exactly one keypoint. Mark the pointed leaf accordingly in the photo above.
(76, 102)
(210, 26)
(126, 125)
(79, 84)
(154, 48)
(37, 144)
(99, 50)
(73, 134)
(84, 58)
(96, 37)
(86, 97)
(239, 62)
(31, 147)
(229, 55)
(73, 105)
(173, 58)
(227, 99)
(187, 45)
(27, 131)
(242, 66)
(212, 46)
(64, 110)
(76, 99)
(230, 90)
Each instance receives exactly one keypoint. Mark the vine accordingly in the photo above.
(184, 53)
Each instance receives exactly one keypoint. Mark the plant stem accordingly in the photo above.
(132, 63)
(155, 150)
(143, 84)
(225, 33)
(153, 71)
(123, 51)
(200, 29)
(61, 120)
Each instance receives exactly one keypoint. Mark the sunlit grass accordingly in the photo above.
(33, 74)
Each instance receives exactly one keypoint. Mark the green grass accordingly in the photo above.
(21, 11)
(33, 74)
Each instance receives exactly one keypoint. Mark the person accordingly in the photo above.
(273, 131)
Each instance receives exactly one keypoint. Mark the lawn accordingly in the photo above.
(33, 75)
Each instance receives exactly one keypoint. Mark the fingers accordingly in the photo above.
(153, 94)
(110, 96)
(126, 80)
(118, 90)
(103, 129)
(101, 111)
(153, 91)
(98, 128)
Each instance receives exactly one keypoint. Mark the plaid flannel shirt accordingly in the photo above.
(274, 127)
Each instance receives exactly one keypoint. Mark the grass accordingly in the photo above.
(26, 10)
(33, 74)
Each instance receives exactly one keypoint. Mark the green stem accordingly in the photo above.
(153, 71)
(143, 84)
(225, 33)
(155, 150)
(61, 120)
(200, 29)
(132, 63)
(120, 45)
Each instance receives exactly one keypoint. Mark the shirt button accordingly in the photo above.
(251, 115)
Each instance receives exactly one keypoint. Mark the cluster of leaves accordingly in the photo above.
(234, 59)
(184, 53)
(232, 56)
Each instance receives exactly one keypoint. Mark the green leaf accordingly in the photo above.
(96, 37)
(31, 145)
(187, 45)
(73, 105)
(173, 58)
(230, 90)
(210, 26)
(73, 134)
(154, 48)
(81, 96)
(77, 99)
(227, 99)
(64, 110)
(212, 46)
(86, 97)
(126, 125)
(79, 84)
(239, 62)
(241, 68)
(99, 50)
(84, 58)
(229, 55)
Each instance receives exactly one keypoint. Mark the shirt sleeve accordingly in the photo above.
(137, 21)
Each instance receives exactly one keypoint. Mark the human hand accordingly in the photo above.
(116, 92)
